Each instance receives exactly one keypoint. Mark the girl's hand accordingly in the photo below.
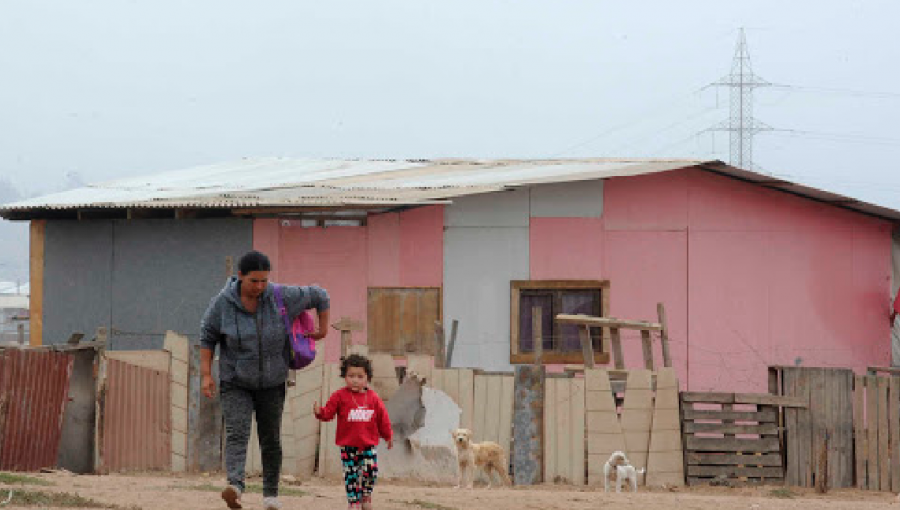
(317, 410)
(390, 443)
(318, 335)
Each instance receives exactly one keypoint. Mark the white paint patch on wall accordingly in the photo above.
(583, 199)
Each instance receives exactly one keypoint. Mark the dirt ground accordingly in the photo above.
(198, 492)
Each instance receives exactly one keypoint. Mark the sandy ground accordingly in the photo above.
(171, 492)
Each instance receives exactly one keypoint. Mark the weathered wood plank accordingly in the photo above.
(873, 478)
(894, 410)
(707, 397)
(616, 341)
(762, 445)
(763, 416)
(735, 471)
(884, 460)
(578, 432)
(587, 349)
(768, 429)
(647, 347)
(770, 400)
(664, 334)
(588, 320)
(711, 459)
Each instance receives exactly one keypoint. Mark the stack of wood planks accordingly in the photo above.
(732, 437)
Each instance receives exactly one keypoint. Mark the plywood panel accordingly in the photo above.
(305, 425)
(329, 453)
(421, 364)
(665, 462)
(384, 376)
(637, 414)
(604, 433)
(401, 320)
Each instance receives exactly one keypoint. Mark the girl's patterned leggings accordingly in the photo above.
(360, 471)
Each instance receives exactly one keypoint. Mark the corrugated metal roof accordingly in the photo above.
(286, 182)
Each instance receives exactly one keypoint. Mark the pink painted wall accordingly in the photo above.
(749, 276)
(393, 250)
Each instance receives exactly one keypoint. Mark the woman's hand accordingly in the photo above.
(390, 443)
(318, 335)
(317, 409)
(209, 386)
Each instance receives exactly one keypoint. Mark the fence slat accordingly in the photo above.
(884, 461)
(872, 472)
(859, 429)
(895, 433)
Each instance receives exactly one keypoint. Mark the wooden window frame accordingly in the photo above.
(552, 357)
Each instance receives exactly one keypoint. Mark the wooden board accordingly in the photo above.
(493, 401)
(458, 384)
(894, 412)
(768, 429)
(698, 458)
(604, 432)
(859, 429)
(564, 429)
(764, 416)
(884, 460)
(304, 424)
(637, 416)
(329, 453)
(36, 276)
(158, 360)
(735, 471)
(703, 444)
(421, 364)
(665, 463)
(384, 376)
(401, 320)
(873, 478)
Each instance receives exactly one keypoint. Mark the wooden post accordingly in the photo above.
(229, 266)
(647, 344)
(616, 341)
(587, 348)
(452, 344)
(346, 326)
(664, 334)
(537, 334)
(439, 347)
(36, 272)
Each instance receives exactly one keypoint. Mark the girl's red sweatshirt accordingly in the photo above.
(361, 418)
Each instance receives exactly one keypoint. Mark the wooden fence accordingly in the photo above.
(876, 422)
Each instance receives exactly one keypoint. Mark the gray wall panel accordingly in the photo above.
(478, 266)
(500, 209)
(77, 275)
(583, 199)
(166, 271)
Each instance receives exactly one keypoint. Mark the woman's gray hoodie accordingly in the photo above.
(244, 360)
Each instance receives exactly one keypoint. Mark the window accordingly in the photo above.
(401, 320)
(561, 343)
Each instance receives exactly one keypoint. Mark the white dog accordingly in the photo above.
(618, 469)
(488, 456)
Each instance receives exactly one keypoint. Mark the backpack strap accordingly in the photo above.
(279, 302)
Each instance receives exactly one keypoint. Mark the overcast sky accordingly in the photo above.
(95, 90)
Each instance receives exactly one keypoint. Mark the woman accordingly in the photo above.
(254, 353)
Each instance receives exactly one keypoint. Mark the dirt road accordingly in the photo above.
(195, 492)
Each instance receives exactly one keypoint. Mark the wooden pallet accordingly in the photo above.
(732, 438)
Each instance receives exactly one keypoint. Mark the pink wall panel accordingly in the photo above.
(566, 248)
(421, 247)
(728, 302)
(334, 258)
(645, 268)
(384, 249)
(647, 202)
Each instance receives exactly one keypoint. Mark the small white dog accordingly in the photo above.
(618, 469)
(488, 455)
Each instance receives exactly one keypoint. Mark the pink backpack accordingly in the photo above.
(303, 348)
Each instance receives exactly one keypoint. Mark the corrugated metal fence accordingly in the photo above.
(34, 388)
(137, 430)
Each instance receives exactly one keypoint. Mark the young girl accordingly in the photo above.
(361, 420)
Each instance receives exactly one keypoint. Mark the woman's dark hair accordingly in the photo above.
(356, 360)
(254, 261)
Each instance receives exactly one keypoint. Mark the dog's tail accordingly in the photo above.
(641, 471)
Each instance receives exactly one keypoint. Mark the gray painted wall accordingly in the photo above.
(159, 275)
(77, 278)
(486, 245)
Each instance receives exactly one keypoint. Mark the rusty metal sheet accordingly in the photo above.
(137, 429)
(34, 387)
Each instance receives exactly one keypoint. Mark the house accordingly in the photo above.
(752, 270)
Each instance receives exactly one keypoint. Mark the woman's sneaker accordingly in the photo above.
(271, 503)
(232, 497)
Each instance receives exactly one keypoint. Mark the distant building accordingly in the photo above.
(753, 270)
